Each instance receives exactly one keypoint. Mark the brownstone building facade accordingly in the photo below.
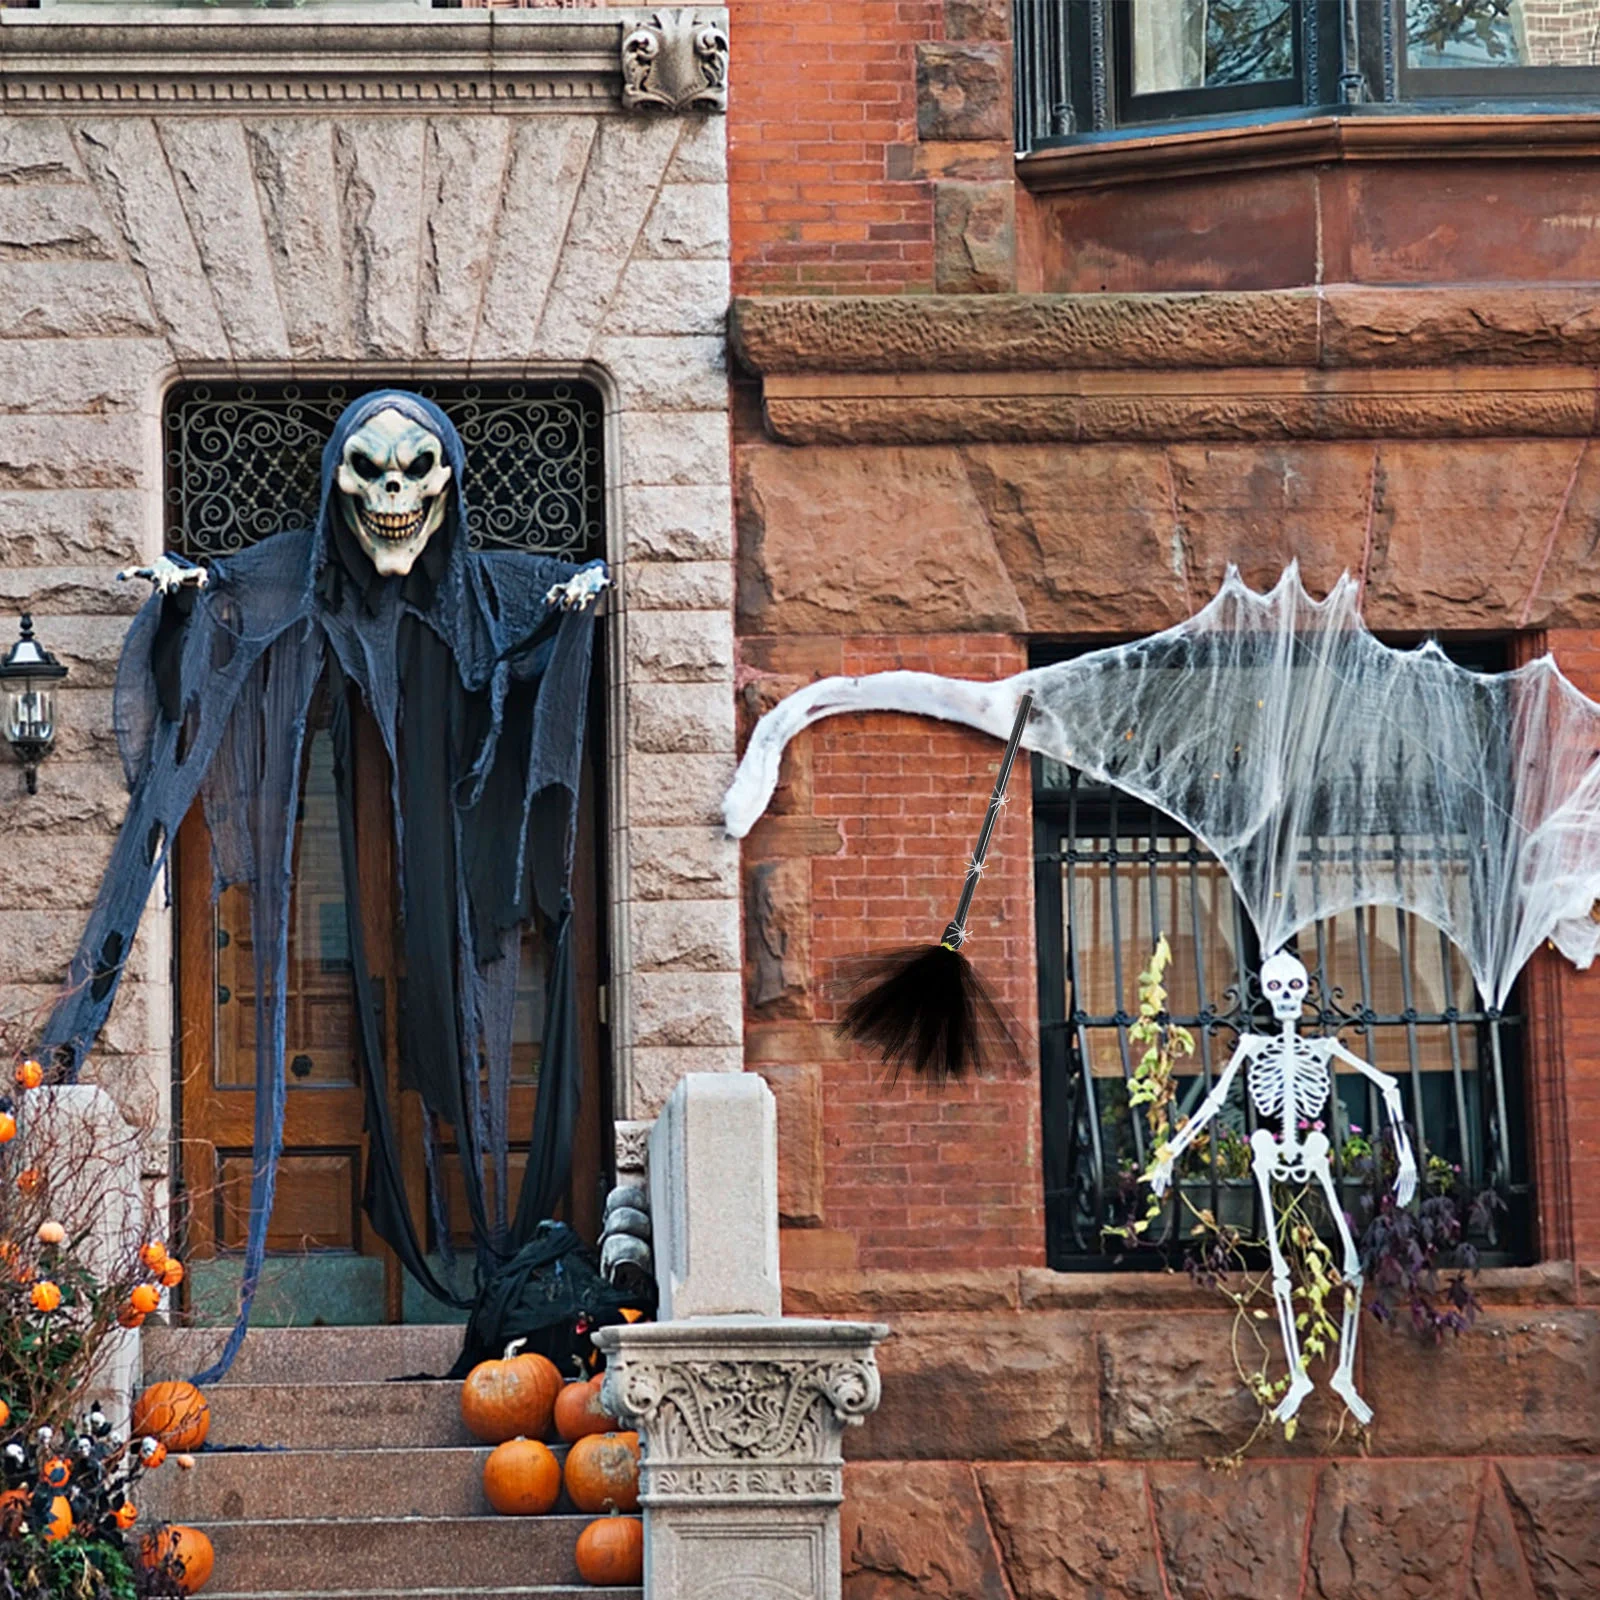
(990, 406)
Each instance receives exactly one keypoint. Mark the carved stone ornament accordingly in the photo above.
(632, 1144)
(742, 1412)
(677, 60)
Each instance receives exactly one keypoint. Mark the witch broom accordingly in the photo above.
(926, 1006)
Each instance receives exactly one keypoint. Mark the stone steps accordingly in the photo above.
(309, 1556)
(339, 1416)
(276, 1485)
(304, 1355)
(343, 1489)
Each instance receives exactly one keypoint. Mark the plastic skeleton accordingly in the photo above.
(1290, 1078)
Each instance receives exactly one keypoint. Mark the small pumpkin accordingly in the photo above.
(45, 1296)
(579, 1412)
(175, 1413)
(56, 1473)
(58, 1524)
(172, 1273)
(603, 1472)
(30, 1075)
(127, 1317)
(152, 1453)
(154, 1255)
(522, 1478)
(514, 1396)
(127, 1514)
(611, 1552)
(14, 1505)
(5, 1413)
(146, 1298)
(8, 1127)
(184, 1551)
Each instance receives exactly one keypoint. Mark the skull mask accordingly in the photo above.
(393, 477)
(1284, 982)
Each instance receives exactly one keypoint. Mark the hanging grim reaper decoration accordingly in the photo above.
(1325, 771)
(474, 666)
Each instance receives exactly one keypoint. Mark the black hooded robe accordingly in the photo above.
(478, 684)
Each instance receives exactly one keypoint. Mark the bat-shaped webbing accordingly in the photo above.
(1324, 769)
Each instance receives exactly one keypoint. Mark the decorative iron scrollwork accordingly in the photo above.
(243, 463)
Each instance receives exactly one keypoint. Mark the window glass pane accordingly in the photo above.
(1208, 44)
(1502, 33)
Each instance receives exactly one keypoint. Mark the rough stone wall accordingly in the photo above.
(140, 248)
(870, 146)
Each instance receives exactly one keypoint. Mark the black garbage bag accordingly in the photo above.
(550, 1294)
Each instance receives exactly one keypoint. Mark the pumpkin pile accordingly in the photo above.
(515, 1404)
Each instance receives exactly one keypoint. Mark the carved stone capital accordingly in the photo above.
(742, 1412)
(677, 61)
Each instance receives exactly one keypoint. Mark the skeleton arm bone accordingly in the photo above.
(1405, 1183)
(989, 707)
(1160, 1175)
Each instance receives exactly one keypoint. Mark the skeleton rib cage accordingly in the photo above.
(1290, 1078)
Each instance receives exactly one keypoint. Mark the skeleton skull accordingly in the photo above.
(393, 477)
(1284, 982)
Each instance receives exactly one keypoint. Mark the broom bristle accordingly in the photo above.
(924, 1007)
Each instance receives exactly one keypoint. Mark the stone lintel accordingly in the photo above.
(742, 1412)
(1344, 362)
(122, 59)
(1342, 325)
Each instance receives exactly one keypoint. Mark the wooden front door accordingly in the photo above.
(325, 1263)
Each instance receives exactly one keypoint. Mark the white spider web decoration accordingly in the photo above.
(1324, 769)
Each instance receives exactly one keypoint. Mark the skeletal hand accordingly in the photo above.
(169, 573)
(1405, 1183)
(1160, 1176)
(580, 588)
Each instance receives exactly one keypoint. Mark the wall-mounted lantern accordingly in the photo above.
(26, 677)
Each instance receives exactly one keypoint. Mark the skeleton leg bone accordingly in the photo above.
(1262, 1162)
(1343, 1381)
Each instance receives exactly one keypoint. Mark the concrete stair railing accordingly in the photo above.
(324, 1479)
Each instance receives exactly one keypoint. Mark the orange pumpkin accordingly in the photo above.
(146, 1298)
(579, 1412)
(611, 1551)
(59, 1523)
(45, 1296)
(521, 1478)
(5, 1413)
(152, 1453)
(172, 1273)
(603, 1472)
(13, 1508)
(175, 1413)
(154, 1255)
(127, 1317)
(510, 1398)
(127, 1514)
(30, 1075)
(8, 1127)
(186, 1552)
(56, 1473)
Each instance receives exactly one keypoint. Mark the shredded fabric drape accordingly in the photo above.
(478, 686)
(1324, 769)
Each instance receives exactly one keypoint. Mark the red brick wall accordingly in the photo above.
(910, 1177)
(837, 161)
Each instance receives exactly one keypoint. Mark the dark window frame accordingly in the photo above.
(1072, 74)
(1479, 1116)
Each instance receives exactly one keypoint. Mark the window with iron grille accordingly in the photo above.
(1111, 875)
(244, 462)
(1092, 67)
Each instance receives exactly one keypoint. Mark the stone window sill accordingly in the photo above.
(1147, 156)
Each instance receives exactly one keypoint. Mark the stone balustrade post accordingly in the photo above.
(741, 1411)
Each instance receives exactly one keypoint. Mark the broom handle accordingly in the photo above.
(956, 934)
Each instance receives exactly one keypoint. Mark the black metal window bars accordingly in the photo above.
(1111, 874)
(243, 461)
